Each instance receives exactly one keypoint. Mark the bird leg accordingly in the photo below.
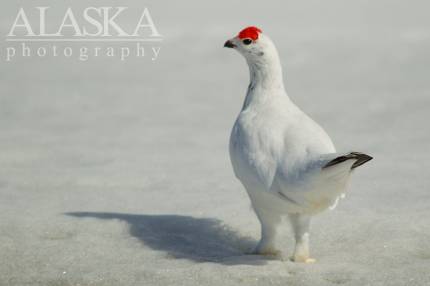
(266, 245)
(300, 224)
(269, 223)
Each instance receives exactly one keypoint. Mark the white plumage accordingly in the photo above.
(286, 161)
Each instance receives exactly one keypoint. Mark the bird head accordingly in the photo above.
(253, 45)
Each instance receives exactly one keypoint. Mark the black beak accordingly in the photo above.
(229, 44)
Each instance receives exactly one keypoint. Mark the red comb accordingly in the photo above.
(249, 32)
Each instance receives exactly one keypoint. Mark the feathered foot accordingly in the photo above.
(267, 250)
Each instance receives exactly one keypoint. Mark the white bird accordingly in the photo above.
(285, 160)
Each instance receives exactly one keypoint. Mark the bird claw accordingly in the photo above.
(310, 260)
(306, 260)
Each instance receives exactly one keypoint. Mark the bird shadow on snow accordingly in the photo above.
(186, 237)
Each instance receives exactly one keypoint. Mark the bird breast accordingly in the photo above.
(256, 144)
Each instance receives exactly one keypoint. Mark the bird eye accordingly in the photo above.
(247, 41)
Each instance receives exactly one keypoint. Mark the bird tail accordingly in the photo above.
(331, 183)
(324, 185)
(360, 159)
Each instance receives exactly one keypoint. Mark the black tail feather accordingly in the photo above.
(360, 157)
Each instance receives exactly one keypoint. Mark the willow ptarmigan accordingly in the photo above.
(285, 160)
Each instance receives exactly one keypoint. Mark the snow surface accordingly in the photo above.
(117, 173)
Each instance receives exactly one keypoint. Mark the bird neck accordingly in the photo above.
(266, 74)
(266, 81)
